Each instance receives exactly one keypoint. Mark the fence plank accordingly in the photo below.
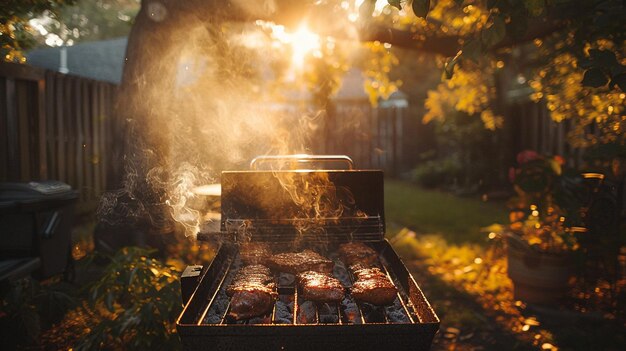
(394, 140)
(103, 122)
(51, 135)
(87, 143)
(95, 138)
(61, 112)
(41, 128)
(4, 143)
(13, 164)
(23, 127)
(79, 142)
(69, 118)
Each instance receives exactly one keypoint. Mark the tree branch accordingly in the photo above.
(443, 45)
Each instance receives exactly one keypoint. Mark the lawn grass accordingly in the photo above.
(434, 212)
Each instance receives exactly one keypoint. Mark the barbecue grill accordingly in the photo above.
(267, 206)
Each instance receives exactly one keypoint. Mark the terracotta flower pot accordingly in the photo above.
(538, 277)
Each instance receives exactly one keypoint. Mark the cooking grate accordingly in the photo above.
(290, 309)
(314, 230)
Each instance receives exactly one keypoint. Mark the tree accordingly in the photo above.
(87, 20)
(573, 53)
(16, 34)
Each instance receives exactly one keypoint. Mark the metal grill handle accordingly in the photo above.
(302, 159)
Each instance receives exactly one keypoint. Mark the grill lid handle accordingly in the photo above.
(302, 159)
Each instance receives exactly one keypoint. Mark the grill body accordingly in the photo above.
(256, 206)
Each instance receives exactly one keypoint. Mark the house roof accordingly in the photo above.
(101, 60)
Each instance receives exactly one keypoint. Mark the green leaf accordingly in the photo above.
(603, 58)
(585, 62)
(594, 77)
(395, 3)
(617, 70)
(459, 2)
(494, 34)
(492, 3)
(535, 7)
(109, 301)
(449, 67)
(473, 50)
(518, 27)
(420, 7)
(620, 81)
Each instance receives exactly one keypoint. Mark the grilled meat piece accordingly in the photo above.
(316, 286)
(254, 253)
(296, 262)
(373, 286)
(251, 302)
(255, 275)
(356, 252)
(252, 292)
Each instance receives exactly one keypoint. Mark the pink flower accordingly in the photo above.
(526, 156)
(559, 159)
(512, 173)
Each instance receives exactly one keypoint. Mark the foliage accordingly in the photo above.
(467, 285)
(463, 138)
(87, 20)
(132, 306)
(438, 172)
(539, 187)
(478, 270)
(16, 34)
(466, 91)
(376, 64)
(27, 307)
(599, 112)
(578, 58)
(486, 25)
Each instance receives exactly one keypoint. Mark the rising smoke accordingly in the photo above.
(197, 98)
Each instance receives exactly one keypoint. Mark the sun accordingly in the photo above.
(303, 42)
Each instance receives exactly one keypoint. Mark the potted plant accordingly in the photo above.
(540, 240)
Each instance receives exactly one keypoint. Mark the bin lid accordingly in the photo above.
(35, 190)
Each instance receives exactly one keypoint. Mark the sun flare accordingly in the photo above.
(302, 42)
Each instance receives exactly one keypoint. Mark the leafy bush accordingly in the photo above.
(27, 307)
(133, 306)
(435, 173)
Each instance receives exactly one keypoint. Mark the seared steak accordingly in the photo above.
(296, 262)
(322, 287)
(251, 302)
(251, 276)
(254, 253)
(373, 286)
(252, 292)
(356, 252)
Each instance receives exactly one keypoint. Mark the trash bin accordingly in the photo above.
(36, 221)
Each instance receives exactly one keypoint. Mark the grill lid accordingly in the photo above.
(312, 204)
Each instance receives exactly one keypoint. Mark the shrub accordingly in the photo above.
(436, 173)
(133, 306)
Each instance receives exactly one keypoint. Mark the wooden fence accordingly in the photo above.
(56, 126)
(374, 138)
